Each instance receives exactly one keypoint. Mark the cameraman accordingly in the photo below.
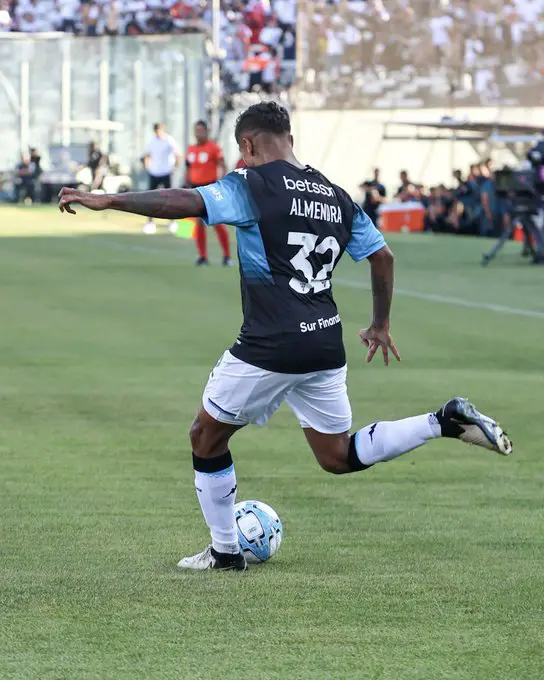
(536, 157)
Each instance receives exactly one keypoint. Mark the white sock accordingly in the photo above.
(216, 492)
(386, 440)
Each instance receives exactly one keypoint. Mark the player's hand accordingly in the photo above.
(69, 197)
(374, 338)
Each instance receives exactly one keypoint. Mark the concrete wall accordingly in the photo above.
(346, 145)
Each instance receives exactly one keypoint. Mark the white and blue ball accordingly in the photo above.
(259, 530)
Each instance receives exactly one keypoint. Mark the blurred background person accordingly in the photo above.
(160, 159)
(374, 196)
(96, 163)
(25, 180)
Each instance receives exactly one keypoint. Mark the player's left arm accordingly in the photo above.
(168, 204)
(367, 242)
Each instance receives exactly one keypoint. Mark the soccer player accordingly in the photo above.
(160, 159)
(293, 228)
(205, 165)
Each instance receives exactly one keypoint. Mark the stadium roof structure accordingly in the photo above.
(515, 136)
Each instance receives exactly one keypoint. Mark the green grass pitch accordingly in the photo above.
(427, 567)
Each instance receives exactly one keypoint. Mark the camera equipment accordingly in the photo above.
(523, 189)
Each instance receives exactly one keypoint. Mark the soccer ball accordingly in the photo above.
(259, 530)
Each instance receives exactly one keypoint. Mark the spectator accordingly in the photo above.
(161, 21)
(271, 34)
(488, 199)
(271, 72)
(25, 180)
(255, 18)
(96, 164)
(375, 194)
(36, 162)
(405, 185)
(286, 12)
(67, 13)
(112, 16)
(90, 12)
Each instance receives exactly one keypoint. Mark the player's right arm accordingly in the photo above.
(168, 204)
(227, 201)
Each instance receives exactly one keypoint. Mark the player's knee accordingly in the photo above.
(333, 464)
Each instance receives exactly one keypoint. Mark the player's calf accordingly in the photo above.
(386, 440)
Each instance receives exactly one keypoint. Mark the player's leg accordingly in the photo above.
(237, 394)
(224, 241)
(201, 240)
(215, 484)
(322, 406)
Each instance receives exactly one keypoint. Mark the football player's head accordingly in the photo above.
(263, 130)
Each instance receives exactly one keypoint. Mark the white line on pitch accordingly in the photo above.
(360, 285)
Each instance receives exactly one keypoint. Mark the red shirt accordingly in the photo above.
(203, 163)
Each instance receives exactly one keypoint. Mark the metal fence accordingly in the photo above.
(49, 81)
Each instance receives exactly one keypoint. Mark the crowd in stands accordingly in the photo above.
(243, 22)
(471, 205)
(257, 35)
(356, 53)
(413, 53)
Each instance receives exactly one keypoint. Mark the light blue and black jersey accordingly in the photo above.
(293, 227)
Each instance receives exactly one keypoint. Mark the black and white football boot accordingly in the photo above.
(211, 559)
(459, 419)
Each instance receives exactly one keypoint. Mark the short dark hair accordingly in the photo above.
(203, 123)
(156, 127)
(263, 117)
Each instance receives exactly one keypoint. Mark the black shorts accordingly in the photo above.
(160, 182)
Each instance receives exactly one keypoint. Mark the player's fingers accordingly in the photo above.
(365, 342)
(385, 355)
(65, 206)
(394, 350)
(371, 351)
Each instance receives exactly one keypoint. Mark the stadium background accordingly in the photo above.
(358, 66)
(427, 568)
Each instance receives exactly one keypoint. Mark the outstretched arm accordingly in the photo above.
(168, 204)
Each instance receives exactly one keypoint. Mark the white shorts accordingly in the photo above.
(239, 393)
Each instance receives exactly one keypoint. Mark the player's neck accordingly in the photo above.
(280, 154)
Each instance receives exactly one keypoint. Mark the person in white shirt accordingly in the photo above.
(271, 34)
(440, 25)
(160, 159)
(286, 11)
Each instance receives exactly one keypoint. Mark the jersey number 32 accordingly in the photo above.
(307, 242)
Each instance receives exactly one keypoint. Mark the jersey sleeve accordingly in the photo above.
(365, 238)
(229, 201)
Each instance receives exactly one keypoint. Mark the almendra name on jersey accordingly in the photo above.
(315, 210)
